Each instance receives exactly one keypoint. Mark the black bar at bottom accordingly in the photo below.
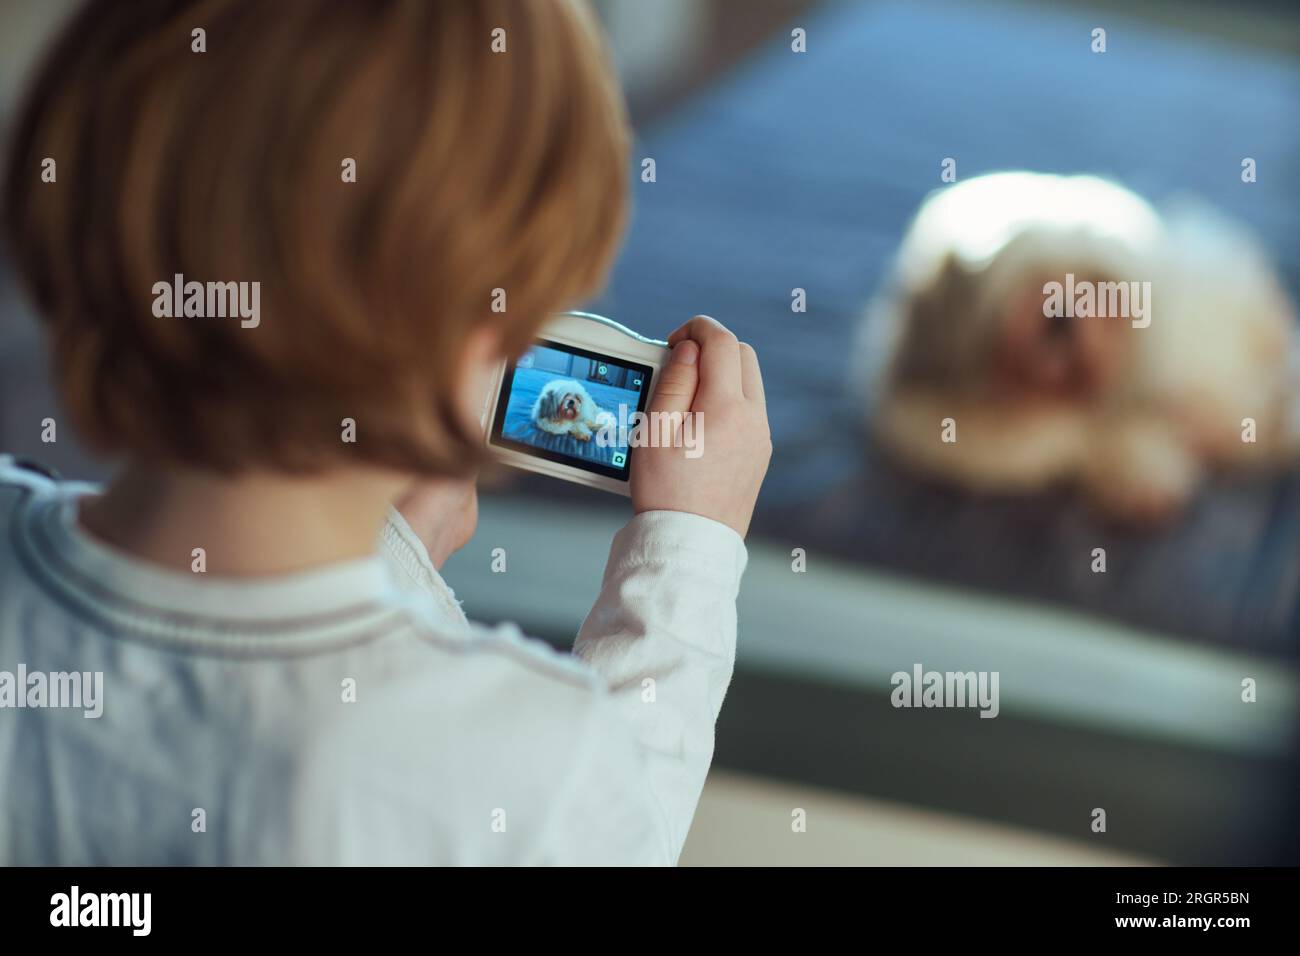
(334, 906)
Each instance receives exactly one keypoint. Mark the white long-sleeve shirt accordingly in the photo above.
(348, 714)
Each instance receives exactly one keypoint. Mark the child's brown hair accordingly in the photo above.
(478, 168)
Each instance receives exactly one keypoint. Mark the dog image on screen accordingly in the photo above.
(565, 408)
(1041, 329)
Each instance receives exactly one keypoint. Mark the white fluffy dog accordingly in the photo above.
(1001, 374)
(565, 408)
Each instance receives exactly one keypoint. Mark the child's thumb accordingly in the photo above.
(678, 380)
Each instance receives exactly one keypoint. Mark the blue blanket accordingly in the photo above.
(802, 170)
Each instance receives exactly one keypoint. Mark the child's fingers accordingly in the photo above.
(751, 376)
(678, 379)
(719, 356)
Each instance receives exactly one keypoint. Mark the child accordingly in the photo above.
(272, 685)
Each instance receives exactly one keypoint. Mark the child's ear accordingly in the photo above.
(483, 345)
(480, 356)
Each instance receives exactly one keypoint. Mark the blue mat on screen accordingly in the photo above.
(803, 171)
(518, 424)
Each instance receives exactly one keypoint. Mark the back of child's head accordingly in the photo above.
(393, 174)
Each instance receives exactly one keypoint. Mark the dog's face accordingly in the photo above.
(963, 334)
(570, 406)
(561, 401)
(1057, 355)
(972, 272)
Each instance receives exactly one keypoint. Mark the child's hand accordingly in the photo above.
(717, 379)
(443, 515)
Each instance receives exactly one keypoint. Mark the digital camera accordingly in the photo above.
(567, 406)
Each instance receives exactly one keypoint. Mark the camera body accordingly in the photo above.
(567, 406)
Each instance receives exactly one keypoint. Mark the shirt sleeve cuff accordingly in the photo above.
(708, 548)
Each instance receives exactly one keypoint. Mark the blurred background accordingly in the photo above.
(776, 170)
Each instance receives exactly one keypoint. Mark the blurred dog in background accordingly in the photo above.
(1072, 333)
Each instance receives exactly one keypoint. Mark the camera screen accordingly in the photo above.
(569, 405)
